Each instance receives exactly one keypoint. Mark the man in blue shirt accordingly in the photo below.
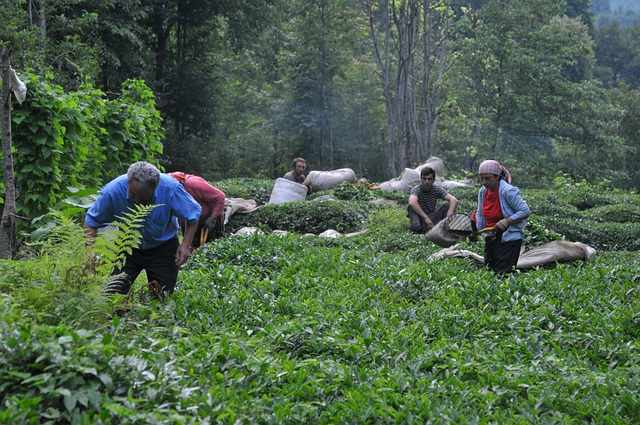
(160, 254)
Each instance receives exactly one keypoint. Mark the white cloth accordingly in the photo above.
(18, 87)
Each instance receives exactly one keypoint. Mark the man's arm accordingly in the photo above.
(415, 206)
(307, 182)
(184, 249)
(453, 203)
(90, 233)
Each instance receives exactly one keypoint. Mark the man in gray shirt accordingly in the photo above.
(423, 201)
(296, 175)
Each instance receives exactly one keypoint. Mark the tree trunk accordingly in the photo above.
(419, 31)
(7, 225)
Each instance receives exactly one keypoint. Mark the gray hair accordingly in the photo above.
(144, 173)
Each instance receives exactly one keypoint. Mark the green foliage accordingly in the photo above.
(604, 218)
(347, 191)
(610, 236)
(121, 239)
(78, 139)
(65, 282)
(307, 217)
(467, 198)
(74, 206)
(60, 284)
(362, 329)
(537, 233)
(618, 213)
(247, 188)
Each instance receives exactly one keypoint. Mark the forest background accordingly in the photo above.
(232, 88)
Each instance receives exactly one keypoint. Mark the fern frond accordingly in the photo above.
(123, 236)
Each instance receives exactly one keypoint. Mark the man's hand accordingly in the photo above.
(182, 254)
(210, 224)
(429, 222)
(502, 225)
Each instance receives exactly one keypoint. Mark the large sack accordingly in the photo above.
(551, 253)
(443, 237)
(325, 180)
(395, 184)
(287, 191)
(450, 184)
(437, 165)
(238, 205)
(405, 182)
(556, 251)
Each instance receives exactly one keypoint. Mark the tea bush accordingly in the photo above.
(307, 217)
(363, 329)
(602, 236)
(247, 188)
(618, 213)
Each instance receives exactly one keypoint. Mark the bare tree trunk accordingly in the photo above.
(435, 35)
(419, 31)
(7, 225)
(42, 21)
(383, 56)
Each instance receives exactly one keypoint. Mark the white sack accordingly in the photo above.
(437, 165)
(395, 184)
(405, 182)
(18, 87)
(325, 180)
(553, 252)
(287, 191)
(556, 251)
(450, 184)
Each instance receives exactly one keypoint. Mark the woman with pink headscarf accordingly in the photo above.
(500, 205)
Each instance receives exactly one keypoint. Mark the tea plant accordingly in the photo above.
(363, 329)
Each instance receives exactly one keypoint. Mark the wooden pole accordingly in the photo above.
(7, 225)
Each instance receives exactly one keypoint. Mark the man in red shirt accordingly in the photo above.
(211, 222)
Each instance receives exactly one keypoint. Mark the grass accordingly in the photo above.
(301, 329)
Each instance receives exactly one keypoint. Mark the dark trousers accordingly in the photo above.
(158, 262)
(501, 257)
(217, 233)
(418, 225)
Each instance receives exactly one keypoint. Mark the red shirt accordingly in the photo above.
(491, 208)
(210, 198)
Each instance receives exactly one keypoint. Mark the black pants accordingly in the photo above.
(158, 262)
(501, 257)
(418, 225)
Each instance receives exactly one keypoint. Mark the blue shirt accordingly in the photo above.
(512, 205)
(161, 224)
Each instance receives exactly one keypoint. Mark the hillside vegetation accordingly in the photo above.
(302, 329)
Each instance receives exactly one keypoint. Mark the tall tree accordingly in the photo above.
(14, 35)
(410, 39)
(514, 64)
(318, 51)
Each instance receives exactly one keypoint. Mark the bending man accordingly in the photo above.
(160, 254)
(211, 199)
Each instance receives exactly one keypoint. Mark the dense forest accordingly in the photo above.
(243, 86)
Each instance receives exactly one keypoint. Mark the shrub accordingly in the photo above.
(618, 213)
(247, 188)
(602, 236)
(467, 198)
(346, 191)
(537, 233)
(307, 217)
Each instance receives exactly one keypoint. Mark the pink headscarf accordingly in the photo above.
(491, 166)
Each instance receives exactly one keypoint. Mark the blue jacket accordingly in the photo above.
(512, 205)
(161, 224)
